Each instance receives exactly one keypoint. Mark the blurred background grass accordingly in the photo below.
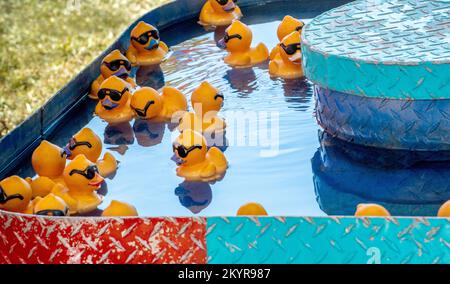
(44, 43)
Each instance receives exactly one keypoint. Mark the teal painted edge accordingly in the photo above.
(423, 81)
(334, 240)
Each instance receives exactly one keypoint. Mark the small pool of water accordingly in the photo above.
(302, 179)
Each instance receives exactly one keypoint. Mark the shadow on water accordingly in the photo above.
(341, 182)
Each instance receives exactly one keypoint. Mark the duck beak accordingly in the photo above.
(229, 7)
(153, 44)
(97, 181)
(109, 105)
(222, 44)
(67, 151)
(122, 73)
(177, 160)
(296, 58)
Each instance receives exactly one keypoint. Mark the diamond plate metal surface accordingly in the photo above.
(33, 240)
(386, 123)
(346, 175)
(381, 48)
(327, 240)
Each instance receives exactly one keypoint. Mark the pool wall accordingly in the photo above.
(31, 239)
(223, 240)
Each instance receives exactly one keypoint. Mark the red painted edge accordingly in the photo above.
(39, 240)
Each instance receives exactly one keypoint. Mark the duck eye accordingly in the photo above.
(222, 2)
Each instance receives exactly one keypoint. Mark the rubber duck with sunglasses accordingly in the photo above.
(114, 64)
(219, 13)
(288, 64)
(195, 161)
(87, 142)
(146, 47)
(237, 41)
(148, 104)
(15, 195)
(287, 26)
(115, 97)
(206, 102)
(82, 179)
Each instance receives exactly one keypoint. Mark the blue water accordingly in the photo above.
(282, 183)
(299, 180)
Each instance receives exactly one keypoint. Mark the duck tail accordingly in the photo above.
(261, 53)
(216, 157)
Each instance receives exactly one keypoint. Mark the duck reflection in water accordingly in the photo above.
(150, 76)
(242, 80)
(298, 93)
(119, 134)
(195, 196)
(341, 182)
(149, 133)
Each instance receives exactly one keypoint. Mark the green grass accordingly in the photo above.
(44, 43)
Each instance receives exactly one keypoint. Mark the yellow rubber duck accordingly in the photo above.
(114, 64)
(195, 162)
(286, 27)
(219, 13)
(51, 205)
(288, 64)
(371, 210)
(83, 180)
(49, 160)
(146, 47)
(41, 186)
(444, 211)
(148, 104)
(206, 101)
(88, 143)
(115, 97)
(252, 209)
(15, 194)
(120, 209)
(237, 41)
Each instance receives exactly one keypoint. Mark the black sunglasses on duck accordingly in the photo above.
(145, 37)
(89, 173)
(224, 2)
(183, 152)
(116, 64)
(5, 198)
(291, 48)
(113, 94)
(227, 37)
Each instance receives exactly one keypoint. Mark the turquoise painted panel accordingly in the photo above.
(378, 48)
(328, 240)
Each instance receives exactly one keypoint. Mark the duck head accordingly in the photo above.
(189, 148)
(220, 6)
(120, 209)
(146, 103)
(290, 48)
(82, 175)
(49, 160)
(371, 210)
(15, 194)
(210, 98)
(115, 64)
(114, 93)
(238, 37)
(51, 205)
(289, 25)
(145, 37)
(85, 142)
